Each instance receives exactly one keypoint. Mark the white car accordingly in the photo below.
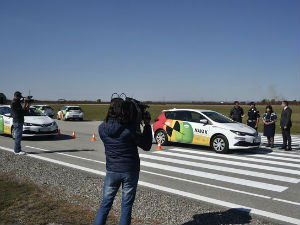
(70, 112)
(35, 123)
(44, 109)
(204, 127)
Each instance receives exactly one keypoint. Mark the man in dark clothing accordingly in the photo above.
(237, 112)
(285, 125)
(18, 111)
(122, 160)
(253, 116)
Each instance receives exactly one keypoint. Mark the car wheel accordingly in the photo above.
(220, 144)
(13, 133)
(161, 136)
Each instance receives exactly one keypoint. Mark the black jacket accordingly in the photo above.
(121, 141)
(285, 120)
(17, 111)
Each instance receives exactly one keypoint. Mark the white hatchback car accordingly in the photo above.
(45, 109)
(70, 112)
(35, 123)
(204, 127)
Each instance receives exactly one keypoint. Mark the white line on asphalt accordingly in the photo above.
(229, 162)
(209, 185)
(223, 168)
(278, 154)
(178, 192)
(177, 178)
(238, 157)
(286, 201)
(213, 176)
(274, 157)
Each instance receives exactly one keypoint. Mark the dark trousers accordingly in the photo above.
(286, 135)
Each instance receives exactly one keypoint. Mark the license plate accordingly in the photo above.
(75, 116)
(44, 129)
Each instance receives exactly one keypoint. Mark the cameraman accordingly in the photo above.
(121, 140)
(18, 112)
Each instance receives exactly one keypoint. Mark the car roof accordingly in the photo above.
(40, 105)
(72, 106)
(191, 110)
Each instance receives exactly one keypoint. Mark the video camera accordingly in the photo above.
(134, 111)
(27, 99)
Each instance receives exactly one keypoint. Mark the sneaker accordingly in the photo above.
(20, 153)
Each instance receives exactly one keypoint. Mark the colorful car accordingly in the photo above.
(70, 112)
(204, 127)
(44, 109)
(35, 123)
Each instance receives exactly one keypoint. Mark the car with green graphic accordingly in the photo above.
(70, 112)
(204, 127)
(35, 123)
(45, 109)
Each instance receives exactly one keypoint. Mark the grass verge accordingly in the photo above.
(26, 203)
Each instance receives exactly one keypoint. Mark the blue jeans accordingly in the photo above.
(18, 136)
(112, 183)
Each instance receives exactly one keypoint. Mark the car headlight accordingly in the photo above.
(239, 133)
(53, 123)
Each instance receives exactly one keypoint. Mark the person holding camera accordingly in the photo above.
(121, 139)
(18, 111)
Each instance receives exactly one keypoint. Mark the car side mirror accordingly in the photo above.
(204, 121)
(7, 114)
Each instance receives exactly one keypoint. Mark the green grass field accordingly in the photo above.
(98, 112)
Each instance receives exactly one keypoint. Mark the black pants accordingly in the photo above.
(252, 124)
(286, 135)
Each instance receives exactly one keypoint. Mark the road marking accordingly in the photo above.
(145, 171)
(274, 157)
(223, 161)
(286, 201)
(295, 155)
(237, 157)
(178, 192)
(223, 169)
(213, 176)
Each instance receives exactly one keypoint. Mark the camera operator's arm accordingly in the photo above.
(144, 140)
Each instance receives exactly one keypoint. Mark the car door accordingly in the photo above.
(201, 129)
(6, 121)
(180, 130)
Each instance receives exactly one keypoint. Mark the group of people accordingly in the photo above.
(269, 119)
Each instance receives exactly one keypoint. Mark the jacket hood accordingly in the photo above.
(112, 128)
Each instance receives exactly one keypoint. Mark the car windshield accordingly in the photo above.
(217, 117)
(74, 108)
(5, 110)
(33, 112)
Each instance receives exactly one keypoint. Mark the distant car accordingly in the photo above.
(35, 123)
(70, 113)
(45, 109)
(204, 127)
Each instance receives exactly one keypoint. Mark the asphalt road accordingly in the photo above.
(261, 181)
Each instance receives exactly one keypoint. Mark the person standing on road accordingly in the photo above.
(237, 112)
(253, 116)
(285, 125)
(269, 119)
(18, 111)
(122, 159)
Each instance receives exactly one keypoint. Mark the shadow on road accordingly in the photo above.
(231, 216)
(62, 137)
(61, 151)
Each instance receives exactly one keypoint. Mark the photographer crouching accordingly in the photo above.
(19, 107)
(121, 135)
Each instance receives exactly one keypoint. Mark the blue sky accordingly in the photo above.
(151, 50)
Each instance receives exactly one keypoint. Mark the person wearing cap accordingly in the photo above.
(237, 112)
(253, 116)
(18, 111)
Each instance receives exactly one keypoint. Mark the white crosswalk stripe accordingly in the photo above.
(254, 170)
(278, 140)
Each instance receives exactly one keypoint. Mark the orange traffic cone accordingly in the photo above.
(159, 146)
(73, 134)
(93, 138)
(58, 132)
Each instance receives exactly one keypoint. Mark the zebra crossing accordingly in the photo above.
(278, 141)
(274, 171)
